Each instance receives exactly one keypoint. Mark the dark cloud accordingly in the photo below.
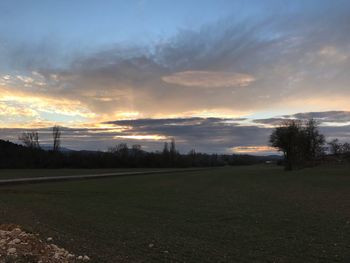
(327, 116)
(335, 132)
(339, 117)
(204, 134)
(173, 121)
(211, 135)
(270, 121)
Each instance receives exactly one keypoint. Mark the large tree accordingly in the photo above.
(286, 139)
(301, 142)
(313, 140)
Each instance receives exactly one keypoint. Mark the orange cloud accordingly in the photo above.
(253, 149)
(24, 103)
(148, 137)
(325, 102)
(209, 79)
(12, 111)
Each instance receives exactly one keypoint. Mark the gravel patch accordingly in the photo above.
(19, 246)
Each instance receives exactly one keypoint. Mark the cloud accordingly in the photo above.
(327, 116)
(209, 79)
(149, 137)
(270, 121)
(337, 132)
(26, 107)
(295, 61)
(8, 111)
(255, 149)
(203, 134)
(324, 118)
(333, 55)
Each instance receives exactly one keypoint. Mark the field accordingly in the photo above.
(240, 214)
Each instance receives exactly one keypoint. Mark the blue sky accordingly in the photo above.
(105, 22)
(89, 64)
(95, 23)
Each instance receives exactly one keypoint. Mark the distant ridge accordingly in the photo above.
(49, 148)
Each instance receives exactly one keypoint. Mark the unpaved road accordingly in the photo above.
(87, 176)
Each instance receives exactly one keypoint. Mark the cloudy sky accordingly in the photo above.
(217, 76)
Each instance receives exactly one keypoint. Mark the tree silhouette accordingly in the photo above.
(30, 139)
(335, 147)
(166, 149)
(300, 142)
(313, 141)
(346, 148)
(172, 151)
(56, 134)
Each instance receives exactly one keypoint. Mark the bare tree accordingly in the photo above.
(166, 149)
(30, 139)
(56, 134)
(136, 148)
(172, 151)
(313, 140)
(346, 148)
(121, 150)
(335, 147)
(172, 147)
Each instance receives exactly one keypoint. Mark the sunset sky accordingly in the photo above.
(215, 75)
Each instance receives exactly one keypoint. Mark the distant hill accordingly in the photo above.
(49, 148)
(273, 157)
(7, 146)
(17, 156)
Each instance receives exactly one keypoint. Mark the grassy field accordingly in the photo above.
(243, 214)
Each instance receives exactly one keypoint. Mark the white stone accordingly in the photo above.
(56, 255)
(11, 250)
(70, 256)
(15, 241)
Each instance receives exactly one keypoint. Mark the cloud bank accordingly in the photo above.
(211, 135)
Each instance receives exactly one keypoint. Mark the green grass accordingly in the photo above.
(243, 214)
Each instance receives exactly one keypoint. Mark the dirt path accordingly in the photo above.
(87, 176)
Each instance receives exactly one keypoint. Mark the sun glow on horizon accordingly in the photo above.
(151, 137)
(253, 149)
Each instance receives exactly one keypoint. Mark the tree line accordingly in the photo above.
(303, 145)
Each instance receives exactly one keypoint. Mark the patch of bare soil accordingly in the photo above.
(19, 246)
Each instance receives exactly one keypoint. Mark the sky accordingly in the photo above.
(215, 75)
